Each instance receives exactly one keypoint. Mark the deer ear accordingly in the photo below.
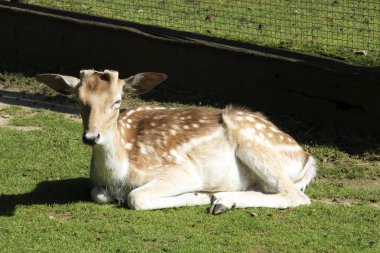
(62, 84)
(143, 82)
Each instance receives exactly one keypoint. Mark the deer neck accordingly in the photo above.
(109, 157)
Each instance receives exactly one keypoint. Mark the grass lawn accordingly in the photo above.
(347, 30)
(45, 204)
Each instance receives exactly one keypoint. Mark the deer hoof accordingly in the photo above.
(218, 206)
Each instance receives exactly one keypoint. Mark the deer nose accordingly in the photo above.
(90, 138)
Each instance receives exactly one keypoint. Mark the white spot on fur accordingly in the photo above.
(260, 126)
(202, 121)
(175, 154)
(153, 124)
(173, 132)
(274, 129)
(149, 148)
(143, 149)
(181, 118)
(247, 133)
(129, 120)
(130, 112)
(258, 139)
(186, 127)
(128, 146)
(176, 127)
(250, 118)
(270, 135)
(159, 117)
(239, 118)
(195, 125)
(240, 113)
(128, 126)
(189, 117)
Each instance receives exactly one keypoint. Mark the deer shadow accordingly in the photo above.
(48, 192)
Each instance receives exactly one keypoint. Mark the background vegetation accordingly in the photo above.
(347, 30)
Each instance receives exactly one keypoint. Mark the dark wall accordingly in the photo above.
(246, 77)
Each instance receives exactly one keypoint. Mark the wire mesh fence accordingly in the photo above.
(345, 29)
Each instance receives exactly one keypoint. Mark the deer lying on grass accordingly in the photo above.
(155, 157)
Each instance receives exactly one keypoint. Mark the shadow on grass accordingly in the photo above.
(56, 103)
(48, 192)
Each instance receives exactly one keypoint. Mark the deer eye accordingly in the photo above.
(116, 103)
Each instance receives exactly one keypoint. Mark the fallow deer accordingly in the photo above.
(156, 157)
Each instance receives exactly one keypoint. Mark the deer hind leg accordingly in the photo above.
(278, 191)
(167, 192)
(223, 201)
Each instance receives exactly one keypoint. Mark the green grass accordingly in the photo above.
(340, 29)
(45, 204)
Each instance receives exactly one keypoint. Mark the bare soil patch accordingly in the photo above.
(361, 184)
(368, 184)
(6, 119)
(339, 201)
(345, 202)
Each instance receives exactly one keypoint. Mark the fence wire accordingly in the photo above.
(345, 29)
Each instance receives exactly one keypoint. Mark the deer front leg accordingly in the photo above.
(161, 193)
(101, 196)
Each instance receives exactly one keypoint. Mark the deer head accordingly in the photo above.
(99, 95)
